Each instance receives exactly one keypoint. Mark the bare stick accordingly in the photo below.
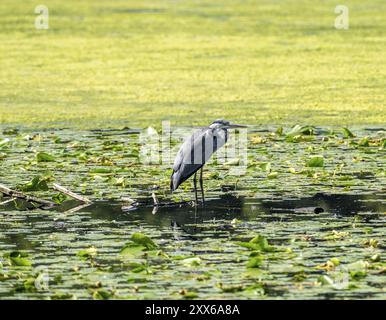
(128, 208)
(70, 193)
(7, 201)
(137, 205)
(19, 195)
(155, 199)
(84, 205)
(155, 210)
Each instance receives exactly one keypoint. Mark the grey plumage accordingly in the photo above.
(197, 149)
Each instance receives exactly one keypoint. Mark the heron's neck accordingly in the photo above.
(222, 133)
(225, 134)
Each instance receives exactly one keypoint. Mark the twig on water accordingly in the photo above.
(19, 195)
(155, 200)
(155, 210)
(171, 204)
(70, 193)
(84, 205)
(7, 201)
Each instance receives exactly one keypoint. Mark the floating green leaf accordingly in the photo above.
(59, 198)
(259, 243)
(101, 170)
(38, 183)
(255, 261)
(315, 161)
(265, 166)
(195, 261)
(102, 294)
(189, 295)
(137, 267)
(131, 249)
(44, 157)
(88, 253)
(273, 175)
(347, 133)
(364, 142)
(18, 258)
(144, 241)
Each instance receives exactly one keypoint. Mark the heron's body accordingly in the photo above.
(194, 153)
(196, 150)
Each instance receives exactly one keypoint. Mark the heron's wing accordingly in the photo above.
(194, 153)
(184, 167)
(184, 153)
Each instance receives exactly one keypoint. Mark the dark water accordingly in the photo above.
(228, 207)
(53, 238)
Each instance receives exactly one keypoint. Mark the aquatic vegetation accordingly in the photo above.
(305, 231)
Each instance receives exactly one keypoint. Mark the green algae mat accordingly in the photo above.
(138, 62)
(305, 219)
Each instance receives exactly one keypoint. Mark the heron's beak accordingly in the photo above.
(231, 126)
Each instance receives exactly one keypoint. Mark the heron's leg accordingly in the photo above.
(195, 187)
(202, 186)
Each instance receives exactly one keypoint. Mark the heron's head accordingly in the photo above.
(223, 124)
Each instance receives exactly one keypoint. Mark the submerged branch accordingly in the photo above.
(7, 201)
(19, 195)
(70, 193)
(138, 205)
(80, 207)
(155, 199)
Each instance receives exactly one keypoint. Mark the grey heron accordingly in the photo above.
(196, 150)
